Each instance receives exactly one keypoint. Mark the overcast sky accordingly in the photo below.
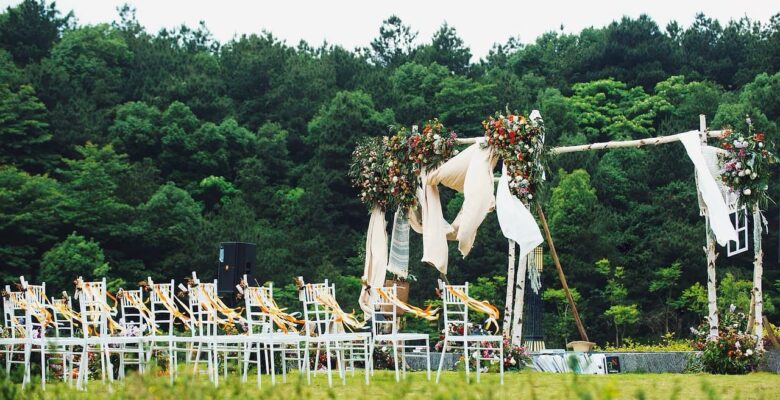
(354, 23)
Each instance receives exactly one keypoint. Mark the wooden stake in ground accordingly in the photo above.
(510, 289)
(561, 276)
(758, 272)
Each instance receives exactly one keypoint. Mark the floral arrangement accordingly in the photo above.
(368, 173)
(432, 147)
(385, 170)
(400, 170)
(520, 144)
(745, 166)
(515, 357)
(734, 351)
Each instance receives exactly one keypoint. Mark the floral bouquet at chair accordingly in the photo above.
(520, 144)
(734, 351)
(745, 166)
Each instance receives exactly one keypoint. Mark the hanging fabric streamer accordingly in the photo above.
(398, 262)
(534, 277)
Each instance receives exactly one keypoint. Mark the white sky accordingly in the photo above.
(355, 23)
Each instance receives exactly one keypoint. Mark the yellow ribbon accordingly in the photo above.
(481, 306)
(283, 320)
(326, 300)
(427, 313)
(171, 307)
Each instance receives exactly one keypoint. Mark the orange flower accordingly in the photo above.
(759, 136)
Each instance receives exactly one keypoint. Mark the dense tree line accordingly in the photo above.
(126, 153)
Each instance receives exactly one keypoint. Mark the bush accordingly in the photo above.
(734, 351)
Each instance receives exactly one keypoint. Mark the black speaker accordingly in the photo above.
(235, 260)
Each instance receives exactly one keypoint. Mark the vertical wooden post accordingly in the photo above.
(712, 287)
(758, 272)
(561, 276)
(517, 313)
(510, 289)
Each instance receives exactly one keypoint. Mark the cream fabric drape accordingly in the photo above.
(470, 173)
(716, 207)
(375, 265)
(516, 221)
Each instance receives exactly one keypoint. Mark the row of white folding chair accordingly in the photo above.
(456, 318)
(322, 328)
(385, 329)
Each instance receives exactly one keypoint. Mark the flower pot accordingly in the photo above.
(402, 291)
(581, 346)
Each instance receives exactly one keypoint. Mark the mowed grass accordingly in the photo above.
(523, 385)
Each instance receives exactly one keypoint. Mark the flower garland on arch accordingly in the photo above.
(745, 166)
(385, 170)
(520, 144)
(369, 174)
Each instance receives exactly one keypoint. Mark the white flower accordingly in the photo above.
(746, 192)
(747, 171)
(749, 352)
(741, 173)
(395, 179)
(732, 308)
(760, 144)
(436, 137)
(530, 196)
(753, 175)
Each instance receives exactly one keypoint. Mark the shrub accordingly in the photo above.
(733, 351)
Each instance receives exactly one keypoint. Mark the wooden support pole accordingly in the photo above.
(510, 289)
(771, 334)
(758, 272)
(561, 276)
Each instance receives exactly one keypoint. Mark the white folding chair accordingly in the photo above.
(456, 316)
(135, 321)
(201, 296)
(385, 329)
(15, 344)
(65, 340)
(164, 313)
(262, 333)
(323, 328)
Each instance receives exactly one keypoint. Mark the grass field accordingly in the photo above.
(524, 385)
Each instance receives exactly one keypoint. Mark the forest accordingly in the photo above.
(126, 153)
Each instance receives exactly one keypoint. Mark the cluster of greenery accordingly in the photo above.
(127, 153)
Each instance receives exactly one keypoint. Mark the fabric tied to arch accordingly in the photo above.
(375, 265)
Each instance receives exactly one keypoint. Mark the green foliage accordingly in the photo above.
(29, 29)
(23, 130)
(73, 257)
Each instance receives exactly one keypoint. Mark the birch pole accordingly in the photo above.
(758, 272)
(712, 287)
(510, 289)
(517, 313)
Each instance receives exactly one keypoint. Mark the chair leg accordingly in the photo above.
(466, 357)
(441, 359)
(366, 358)
(501, 362)
(327, 361)
(479, 360)
(395, 359)
(43, 366)
(428, 359)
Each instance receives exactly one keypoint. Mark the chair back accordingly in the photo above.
(94, 308)
(160, 295)
(134, 319)
(255, 300)
(316, 316)
(14, 313)
(384, 313)
(37, 315)
(63, 325)
(205, 315)
(455, 310)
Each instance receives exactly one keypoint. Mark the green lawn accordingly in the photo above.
(525, 385)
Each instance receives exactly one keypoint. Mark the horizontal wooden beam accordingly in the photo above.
(610, 145)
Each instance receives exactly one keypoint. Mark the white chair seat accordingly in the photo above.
(400, 337)
(475, 338)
